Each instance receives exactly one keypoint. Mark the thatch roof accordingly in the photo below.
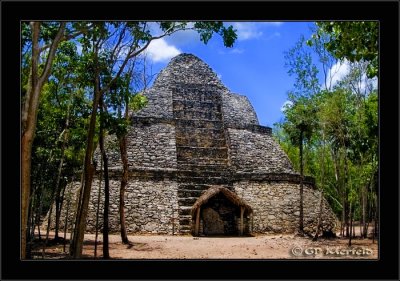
(213, 191)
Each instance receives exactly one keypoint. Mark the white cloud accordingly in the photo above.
(236, 51)
(247, 30)
(274, 35)
(160, 51)
(273, 23)
(337, 72)
(287, 104)
(341, 69)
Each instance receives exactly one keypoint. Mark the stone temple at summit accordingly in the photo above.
(200, 163)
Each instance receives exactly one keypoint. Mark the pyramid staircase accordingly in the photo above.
(202, 151)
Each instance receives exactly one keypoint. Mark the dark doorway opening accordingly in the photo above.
(220, 212)
(220, 216)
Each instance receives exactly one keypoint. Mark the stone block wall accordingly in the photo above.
(238, 111)
(257, 153)
(152, 146)
(159, 103)
(150, 206)
(276, 206)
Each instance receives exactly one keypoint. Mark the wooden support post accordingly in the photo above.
(252, 222)
(241, 220)
(196, 229)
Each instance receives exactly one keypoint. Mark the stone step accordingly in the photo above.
(204, 167)
(187, 201)
(201, 153)
(202, 161)
(182, 124)
(206, 133)
(183, 162)
(208, 115)
(190, 186)
(185, 229)
(211, 173)
(205, 180)
(185, 221)
(183, 193)
(184, 211)
(200, 141)
(196, 94)
(180, 104)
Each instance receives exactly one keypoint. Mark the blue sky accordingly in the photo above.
(253, 67)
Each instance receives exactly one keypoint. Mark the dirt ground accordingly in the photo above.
(188, 247)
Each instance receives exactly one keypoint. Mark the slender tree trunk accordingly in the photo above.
(56, 190)
(89, 169)
(39, 213)
(66, 217)
(58, 200)
(49, 221)
(106, 254)
(339, 188)
(346, 192)
(98, 207)
(59, 206)
(364, 213)
(351, 224)
(301, 216)
(124, 183)
(29, 119)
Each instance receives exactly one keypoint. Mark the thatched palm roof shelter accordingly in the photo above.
(213, 191)
(210, 193)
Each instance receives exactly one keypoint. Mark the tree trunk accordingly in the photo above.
(124, 183)
(301, 217)
(59, 205)
(29, 120)
(66, 218)
(106, 254)
(363, 234)
(79, 231)
(351, 224)
(59, 200)
(348, 214)
(98, 207)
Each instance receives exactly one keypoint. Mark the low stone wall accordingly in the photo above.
(151, 206)
(276, 207)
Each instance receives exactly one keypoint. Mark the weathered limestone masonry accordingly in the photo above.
(193, 135)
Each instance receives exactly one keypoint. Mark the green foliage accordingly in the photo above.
(339, 123)
(299, 62)
(353, 40)
(207, 29)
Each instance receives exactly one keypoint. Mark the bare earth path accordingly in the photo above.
(257, 247)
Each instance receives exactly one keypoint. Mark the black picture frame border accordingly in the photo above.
(385, 268)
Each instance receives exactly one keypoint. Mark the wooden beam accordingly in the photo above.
(196, 229)
(241, 221)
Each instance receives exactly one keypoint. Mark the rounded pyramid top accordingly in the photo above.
(187, 69)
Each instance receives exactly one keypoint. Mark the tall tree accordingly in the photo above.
(36, 82)
(300, 124)
(300, 116)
